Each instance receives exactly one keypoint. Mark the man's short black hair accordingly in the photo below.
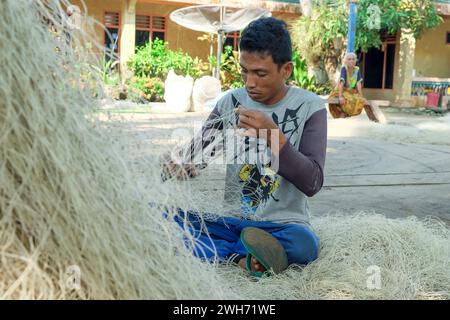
(268, 36)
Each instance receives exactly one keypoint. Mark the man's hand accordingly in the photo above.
(253, 121)
(170, 168)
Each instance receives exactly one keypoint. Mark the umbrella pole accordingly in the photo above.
(219, 53)
(220, 35)
(211, 52)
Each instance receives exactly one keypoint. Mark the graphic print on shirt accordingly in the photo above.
(290, 123)
(257, 188)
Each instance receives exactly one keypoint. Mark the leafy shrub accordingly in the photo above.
(108, 72)
(151, 89)
(152, 63)
(230, 69)
(324, 89)
(300, 76)
(155, 61)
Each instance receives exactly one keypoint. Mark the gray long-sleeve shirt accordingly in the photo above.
(279, 196)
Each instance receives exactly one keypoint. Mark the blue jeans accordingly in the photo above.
(299, 241)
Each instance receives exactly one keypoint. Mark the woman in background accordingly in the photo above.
(349, 92)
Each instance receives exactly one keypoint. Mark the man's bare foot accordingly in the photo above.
(256, 265)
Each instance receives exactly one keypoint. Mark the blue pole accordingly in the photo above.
(352, 26)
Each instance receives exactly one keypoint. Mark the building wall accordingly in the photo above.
(432, 58)
(96, 9)
(177, 36)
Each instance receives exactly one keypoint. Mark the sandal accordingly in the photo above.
(266, 249)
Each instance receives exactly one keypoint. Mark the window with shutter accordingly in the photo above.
(149, 28)
(112, 34)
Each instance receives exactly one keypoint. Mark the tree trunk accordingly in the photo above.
(333, 65)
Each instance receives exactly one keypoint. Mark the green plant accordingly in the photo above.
(151, 64)
(211, 39)
(107, 71)
(156, 60)
(95, 75)
(150, 89)
(300, 75)
(323, 89)
(417, 16)
(230, 69)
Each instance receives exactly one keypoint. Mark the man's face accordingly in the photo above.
(263, 79)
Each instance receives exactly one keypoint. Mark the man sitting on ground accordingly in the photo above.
(273, 230)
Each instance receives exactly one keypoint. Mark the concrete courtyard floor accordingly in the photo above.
(393, 177)
(365, 171)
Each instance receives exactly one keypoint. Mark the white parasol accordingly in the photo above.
(217, 18)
